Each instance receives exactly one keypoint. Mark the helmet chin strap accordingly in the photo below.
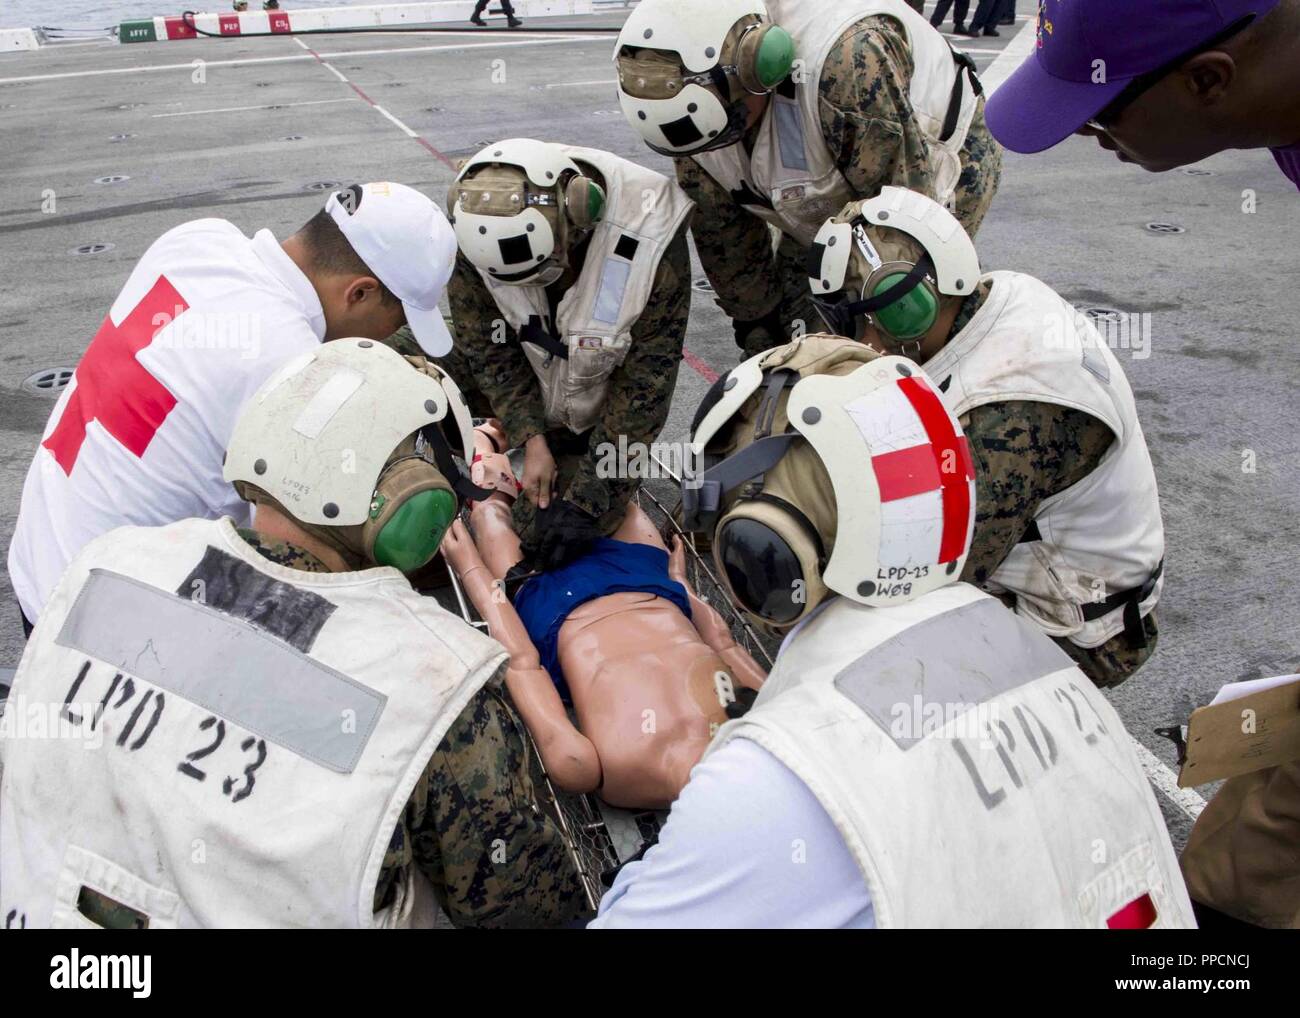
(910, 349)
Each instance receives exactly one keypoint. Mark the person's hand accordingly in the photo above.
(760, 334)
(560, 534)
(539, 471)
(457, 547)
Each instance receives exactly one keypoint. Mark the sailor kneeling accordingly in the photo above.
(840, 493)
(291, 736)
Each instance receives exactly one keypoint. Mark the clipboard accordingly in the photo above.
(1243, 732)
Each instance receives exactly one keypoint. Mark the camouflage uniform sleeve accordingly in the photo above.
(872, 131)
(499, 369)
(404, 342)
(1025, 452)
(735, 247)
(866, 113)
(641, 388)
(474, 828)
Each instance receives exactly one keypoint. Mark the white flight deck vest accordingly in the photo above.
(791, 165)
(643, 212)
(978, 778)
(1103, 535)
(248, 736)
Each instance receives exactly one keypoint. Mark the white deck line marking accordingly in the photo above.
(247, 61)
(61, 44)
(1012, 55)
(1186, 799)
(574, 84)
(469, 45)
(387, 116)
(268, 106)
(405, 130)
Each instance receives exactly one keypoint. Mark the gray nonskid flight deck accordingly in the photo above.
(108, 146)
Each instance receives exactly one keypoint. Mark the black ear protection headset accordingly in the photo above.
(762, 569)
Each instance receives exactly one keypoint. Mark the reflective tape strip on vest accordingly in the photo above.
(976, 776)
(237, 739)
(643, 212)
(1103, 535)
(791, 179)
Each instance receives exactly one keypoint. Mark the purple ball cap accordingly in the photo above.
(1088, 50)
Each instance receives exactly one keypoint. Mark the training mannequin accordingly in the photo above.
(649, 686)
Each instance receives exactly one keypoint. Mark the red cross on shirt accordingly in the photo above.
(113, 387)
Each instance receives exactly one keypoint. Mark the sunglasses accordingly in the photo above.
(1143, 83)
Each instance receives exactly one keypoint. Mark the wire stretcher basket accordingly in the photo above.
(600, 837)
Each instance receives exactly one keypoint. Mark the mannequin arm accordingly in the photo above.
(495, 434)
(568, 755)
(713, 628)
(494, 535)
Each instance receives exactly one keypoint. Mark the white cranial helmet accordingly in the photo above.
(514, 205)
(678, 61)
(856, 274)
(825, 467)
(359, 445)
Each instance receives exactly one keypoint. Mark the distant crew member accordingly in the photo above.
(507, 8)
(920, 756)
(777, 113)
(1069, 523)
(288, 735)
(987, 15)
(958, 15)
(205, 317)
(570, 299)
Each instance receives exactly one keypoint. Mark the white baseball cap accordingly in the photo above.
(408, 244)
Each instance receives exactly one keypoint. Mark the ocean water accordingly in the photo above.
(105, 13)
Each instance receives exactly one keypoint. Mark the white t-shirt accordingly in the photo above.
(747, 845)
(139, 435)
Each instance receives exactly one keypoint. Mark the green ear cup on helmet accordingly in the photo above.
(764, 58)
(585, 201)
(910, 316)
(412, 536)
(775, 57)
